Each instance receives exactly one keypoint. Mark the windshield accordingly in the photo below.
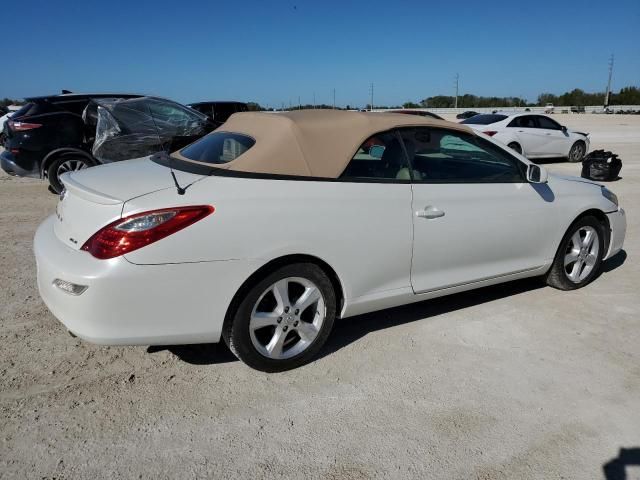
(218, 147)
(484, 119)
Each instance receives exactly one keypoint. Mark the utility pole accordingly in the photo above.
(334, 98)
(457, 78)
(299, 104)
(371, 104)
(606, 97)
(282, 109)
(314, 100)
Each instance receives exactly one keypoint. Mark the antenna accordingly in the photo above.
(457, 79)
(608, 94)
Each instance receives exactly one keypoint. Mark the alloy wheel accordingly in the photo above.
(577, 152)
(581, 255)
(71, 166)
(287, 318)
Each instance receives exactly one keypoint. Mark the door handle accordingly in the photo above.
(430, 212)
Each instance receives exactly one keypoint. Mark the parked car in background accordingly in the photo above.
(52, 135)
(232, 237)
(467, 114)
(421, 113)
(5, 115)
(219, 112)
(534, 136)
(549, 108)
(40, 136)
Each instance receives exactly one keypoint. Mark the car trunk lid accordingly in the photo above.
(94, 197)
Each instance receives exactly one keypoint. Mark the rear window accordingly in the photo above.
(218, 147)
(33, 108)
(484, 119)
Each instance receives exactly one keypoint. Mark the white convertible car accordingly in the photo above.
(266, 230)
(534, 136)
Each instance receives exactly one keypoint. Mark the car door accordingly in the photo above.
(527, 133)
(474, 215)
(556, 140)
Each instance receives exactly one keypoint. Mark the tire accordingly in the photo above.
(515, 146)
(576, 250)
(270, 334)
(65, 163)
(577, 152)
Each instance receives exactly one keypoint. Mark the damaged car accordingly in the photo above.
(50, 136)
(534, 136)
(266, 230)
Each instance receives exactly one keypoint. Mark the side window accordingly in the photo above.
(447, 156)
(75, 106)
(545, 122)
(526, 121)
(380, 157)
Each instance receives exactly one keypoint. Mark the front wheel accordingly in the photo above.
(579, 257)
(577, 152)
(284, 320)
(64, 164)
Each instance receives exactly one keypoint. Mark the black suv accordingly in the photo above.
(46, 130)
(218, 112)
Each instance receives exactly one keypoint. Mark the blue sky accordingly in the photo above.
(274, 51)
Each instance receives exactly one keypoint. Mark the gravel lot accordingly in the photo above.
(515, 381)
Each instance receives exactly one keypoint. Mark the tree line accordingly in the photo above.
(577, 97)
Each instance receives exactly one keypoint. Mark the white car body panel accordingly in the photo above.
(535, 142)
(178, 289)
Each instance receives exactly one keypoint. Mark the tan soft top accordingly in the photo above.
(314, 143)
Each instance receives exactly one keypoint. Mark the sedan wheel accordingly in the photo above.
(283, 321)
(283, 327)
(579, 256)
(576, 154)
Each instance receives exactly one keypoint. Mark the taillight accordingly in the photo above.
(139, 230)
(491, 133)
(22, 126)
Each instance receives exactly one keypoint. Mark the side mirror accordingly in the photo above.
(564, 129)
(537, 174)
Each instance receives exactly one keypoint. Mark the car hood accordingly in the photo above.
(571, 178)
(122, 181)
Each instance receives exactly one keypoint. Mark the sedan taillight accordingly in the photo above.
(491, 133)
(22, 126)
(139, 230)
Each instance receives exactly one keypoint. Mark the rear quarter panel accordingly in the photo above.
(363, 230)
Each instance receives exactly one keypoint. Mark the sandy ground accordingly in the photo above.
(516, 381)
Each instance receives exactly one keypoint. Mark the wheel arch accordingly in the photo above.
(276, 263)
(53, 154)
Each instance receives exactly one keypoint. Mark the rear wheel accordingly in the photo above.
(284, 320)
(515, 146)
(577, 152)
(579, 256)
(63, 164)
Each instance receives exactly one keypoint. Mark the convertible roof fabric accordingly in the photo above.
(311, 143)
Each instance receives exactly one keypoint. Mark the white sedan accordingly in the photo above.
(534, 136)
(266, 230)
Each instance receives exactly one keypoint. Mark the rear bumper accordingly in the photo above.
(618, 225)
(9, 165)
(127, 304)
